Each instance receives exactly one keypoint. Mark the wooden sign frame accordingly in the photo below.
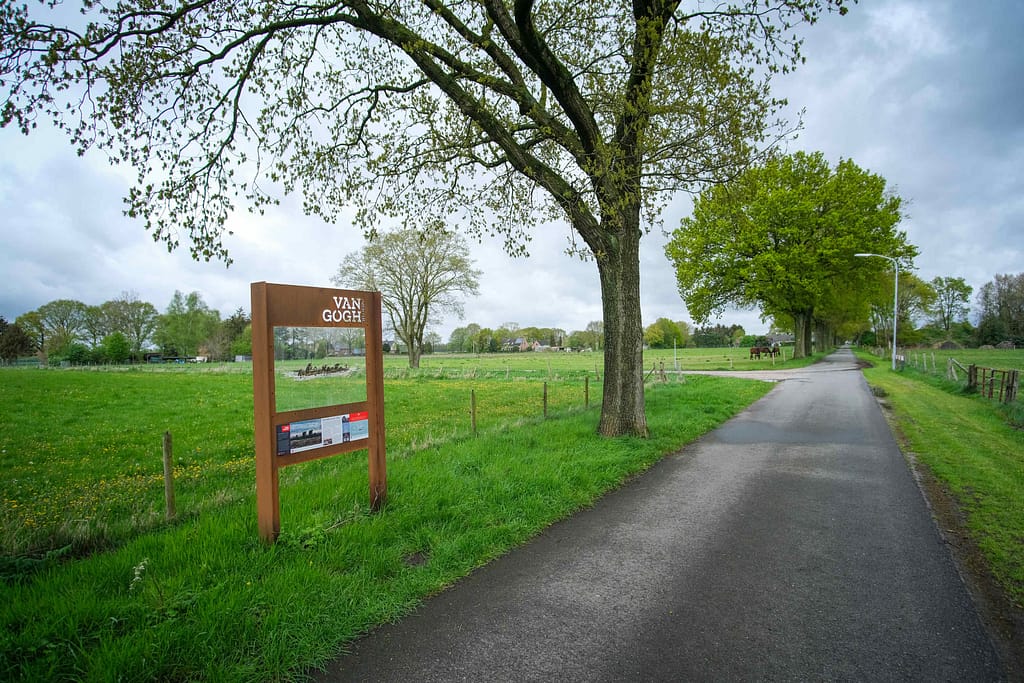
(276, 305)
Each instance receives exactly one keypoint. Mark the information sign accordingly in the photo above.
(328, 421)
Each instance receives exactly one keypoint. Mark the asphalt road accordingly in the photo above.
(791, 544)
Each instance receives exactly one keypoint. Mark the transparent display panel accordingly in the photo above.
(318, 366)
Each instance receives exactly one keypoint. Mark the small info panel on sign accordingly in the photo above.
(306, 435)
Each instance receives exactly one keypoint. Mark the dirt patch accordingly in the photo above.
(1003, 619)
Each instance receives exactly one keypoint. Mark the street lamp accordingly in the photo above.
(895, 300)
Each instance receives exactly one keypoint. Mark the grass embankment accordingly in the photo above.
(967, 444)
(204, 599)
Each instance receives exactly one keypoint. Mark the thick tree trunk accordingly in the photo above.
(622, 410)
(412, 349)
(801, 334)
(822, 336)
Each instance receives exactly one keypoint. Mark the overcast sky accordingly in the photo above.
(926, 93)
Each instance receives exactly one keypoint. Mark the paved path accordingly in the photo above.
(790, 544)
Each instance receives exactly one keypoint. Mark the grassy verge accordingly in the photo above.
(967, 445)
(204, 600)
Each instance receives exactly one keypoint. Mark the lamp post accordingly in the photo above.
(895, 300)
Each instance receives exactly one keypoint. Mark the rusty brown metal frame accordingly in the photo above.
(298, 306)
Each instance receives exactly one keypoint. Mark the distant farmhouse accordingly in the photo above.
(781, 339)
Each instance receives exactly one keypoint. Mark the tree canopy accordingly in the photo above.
(420, 276)
(952, 301)
(187, 323)
(1001, 310)
(499, 114)
(782, 236)
(60, 323)
(665, 334)
(14, 341)
(135, 319)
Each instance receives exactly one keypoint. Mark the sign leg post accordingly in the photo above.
(375, 397)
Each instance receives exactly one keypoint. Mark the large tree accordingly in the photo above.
(186, 325)
(64, 323)
(420, 276)
(1001, 310)
(32, 324)
(132, 317)
(95, 325)
(492, 109)
(782, 237)
(952, 301)
(14, 341)
(664, 334)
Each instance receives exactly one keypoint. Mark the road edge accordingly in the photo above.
(1002, 619)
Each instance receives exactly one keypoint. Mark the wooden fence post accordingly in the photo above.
(169, 476)
(545, 399)
(586, 391)
(472, 409)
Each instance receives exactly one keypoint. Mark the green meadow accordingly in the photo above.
(98, 585)
(927, 359)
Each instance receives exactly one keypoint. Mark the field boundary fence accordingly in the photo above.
(993, 383)
(1002, 385)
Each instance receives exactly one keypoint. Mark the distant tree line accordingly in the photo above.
(661, 334)
(511, 338)
(939, 311)
(125, 329)
(1001, 311)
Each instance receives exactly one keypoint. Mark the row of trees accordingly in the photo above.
(798, 239)
(124, 328)
(783, 237)
(666, 334)
(928, 312)
(511, 337)
(939, 311)
(661, 334)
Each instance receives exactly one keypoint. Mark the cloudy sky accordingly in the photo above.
(927, 93)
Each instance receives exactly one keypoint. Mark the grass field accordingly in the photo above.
(97, 586)
(936, 359)
(967, 443)
(577, 364)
